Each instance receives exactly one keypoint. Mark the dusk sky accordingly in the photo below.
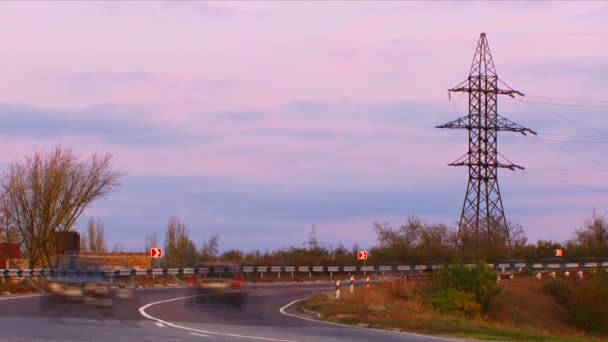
(256, 120)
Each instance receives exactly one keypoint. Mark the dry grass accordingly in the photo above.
(521, 313)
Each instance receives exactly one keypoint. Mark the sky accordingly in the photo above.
(256, 120)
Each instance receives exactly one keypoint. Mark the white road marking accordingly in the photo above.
(143, 312)
(201, 335)
(27, 296)
(282, 310)
(158, 324)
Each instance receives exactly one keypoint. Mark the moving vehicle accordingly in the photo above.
(223, 285)
(84, 283)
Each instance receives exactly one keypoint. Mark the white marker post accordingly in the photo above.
(352, 284)
(579, 274)
(337, 289)
(367, 282)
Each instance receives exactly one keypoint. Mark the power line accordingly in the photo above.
(567, 170)
(550, 144)
(567, 99)
(604, 133)
(579, 155)
(573, 135)
(561, 181)
(558, 141)
(565, 104)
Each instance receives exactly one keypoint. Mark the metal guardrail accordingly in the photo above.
(500, 267)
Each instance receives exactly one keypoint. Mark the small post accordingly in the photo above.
(552, 274)
(539, 275)
(567, 274)
(331, 275)
(279, 274)
(579, 274)
(498, 279)
(338, 289)
(291, 275)
(512, 276)
(352, 284)
(309, 275)
(367, 282)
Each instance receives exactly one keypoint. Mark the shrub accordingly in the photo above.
(455, 301)
(558, 289)
(479, 281)
(587, 304)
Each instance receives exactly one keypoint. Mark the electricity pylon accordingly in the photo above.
(483, 221)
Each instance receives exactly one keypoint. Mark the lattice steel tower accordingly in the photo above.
(483, 221)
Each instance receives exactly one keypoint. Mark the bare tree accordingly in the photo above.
(209, 250)
(118, 247)
(8, 232)
(151, 242)
(594, 233)
(179, 251)
(93, 240)
(47, 193)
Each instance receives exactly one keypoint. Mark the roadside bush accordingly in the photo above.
(455, 302)
(589, 306)
(558, 289)
(587, 303)
(479, 281)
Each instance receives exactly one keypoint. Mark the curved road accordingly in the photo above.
(168, 315)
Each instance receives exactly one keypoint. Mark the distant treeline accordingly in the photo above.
(413, 242)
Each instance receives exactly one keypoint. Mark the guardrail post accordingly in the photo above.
(338, 289)
(352, 284)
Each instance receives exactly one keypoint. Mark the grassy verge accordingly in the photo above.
(522, 312)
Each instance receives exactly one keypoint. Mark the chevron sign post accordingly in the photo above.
(156, 252)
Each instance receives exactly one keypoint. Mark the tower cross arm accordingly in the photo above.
(502, 124)
(462, 122)
(497, 91)
(506, 125)
(511, 167)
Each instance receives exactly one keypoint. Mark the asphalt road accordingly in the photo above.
(171, 315)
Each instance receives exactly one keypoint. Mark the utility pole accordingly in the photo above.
(483, 222)
(313, 241)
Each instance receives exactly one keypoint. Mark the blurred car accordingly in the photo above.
(219, 287)
(112, 296)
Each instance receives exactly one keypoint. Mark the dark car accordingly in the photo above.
(224, 285)
(86, 284)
